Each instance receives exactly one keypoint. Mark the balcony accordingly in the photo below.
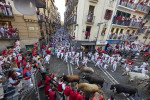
(9, 34)
(141, 30)
(40, 4)
(93, 1)
(134, 7)
(122, 22)
(90, 19)
(126, 5)
(6, 11)
(142, 8)
(126, 22)
(130, 37)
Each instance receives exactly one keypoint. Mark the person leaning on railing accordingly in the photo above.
(2, 80)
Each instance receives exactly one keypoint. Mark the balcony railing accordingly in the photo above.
(141, 30)
(123, 37)
(9, 34)
(6, 11)
(142, 8)
(127, 4)
(90, 19)
(94, 1)
(120, 21)
(138, 7)
(127, 22)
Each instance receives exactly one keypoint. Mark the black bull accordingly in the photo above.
(93, 80)
(124, 89)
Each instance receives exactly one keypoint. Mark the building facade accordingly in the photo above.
(94, 23)
(28, 29)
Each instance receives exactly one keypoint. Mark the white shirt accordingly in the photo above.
(136, 68)
(144, 71)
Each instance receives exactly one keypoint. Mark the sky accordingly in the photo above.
(61, 7)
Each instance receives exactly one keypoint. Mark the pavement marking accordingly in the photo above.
(71, 69)
(68, 69)
(114, 81)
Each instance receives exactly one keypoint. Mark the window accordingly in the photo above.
(122, 14)
(108, 14)
(91, 9)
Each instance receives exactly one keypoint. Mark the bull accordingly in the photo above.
(136, 76)
(93, 80)
(85, 69)
(119, 88)
(71, 78)
(90, 88)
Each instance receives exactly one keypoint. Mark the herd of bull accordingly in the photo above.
(96, 84)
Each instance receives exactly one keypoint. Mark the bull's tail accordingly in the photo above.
(137, 93)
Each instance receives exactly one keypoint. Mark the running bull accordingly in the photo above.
(119, 88)
(93, 80)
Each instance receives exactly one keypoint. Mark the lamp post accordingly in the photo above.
(99, 24)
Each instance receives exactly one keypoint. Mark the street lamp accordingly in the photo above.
(99, 24)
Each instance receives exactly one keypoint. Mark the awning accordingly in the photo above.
(114, 41)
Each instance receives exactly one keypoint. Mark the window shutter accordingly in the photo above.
(110, 14)
(105, 17)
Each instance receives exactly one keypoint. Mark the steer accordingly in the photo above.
(85, 69)
(93, 80)
(119, 88)
(90, 88)
(136, 76)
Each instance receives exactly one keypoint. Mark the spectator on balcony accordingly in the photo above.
(141, 23)
(90, 17)
(119, 20)
(140, 5)
(87, 35)
(120, 35)
(3, 31)
(125, 36)
(132, 22)
(130, 4)
(115, 35)
(111, 35)
(123, 2)
(145, 5)
(137, 22)
(123, 21)
(114, 19)
(128, 21)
